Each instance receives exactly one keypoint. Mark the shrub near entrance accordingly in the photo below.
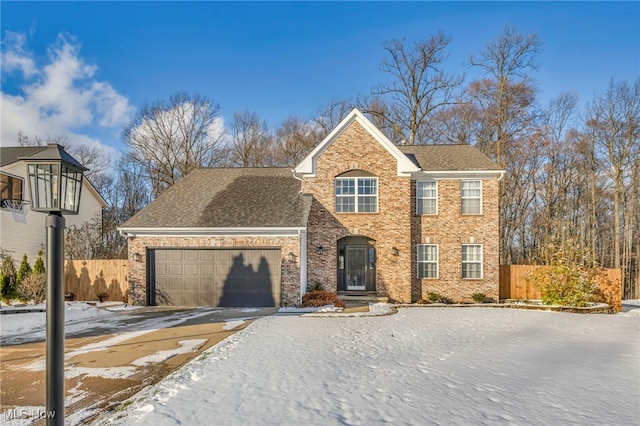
(317, 298)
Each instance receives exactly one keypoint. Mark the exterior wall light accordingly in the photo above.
(320, 250)
(292, 256)
(136, 257)
(395, 251)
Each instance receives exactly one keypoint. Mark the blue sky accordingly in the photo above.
(83, 68)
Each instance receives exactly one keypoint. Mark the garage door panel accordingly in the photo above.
(176, 255)
(191, 255)
(174, 269)
(191, 269)
(217, 277)
(207, 255)
(206, 269)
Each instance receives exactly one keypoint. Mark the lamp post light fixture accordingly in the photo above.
(55, 182)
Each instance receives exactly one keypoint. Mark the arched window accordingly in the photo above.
(356, 191)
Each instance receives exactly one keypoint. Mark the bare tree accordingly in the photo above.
(252, 144)
(332, 114)
(505, 102)
(419, 85)
(614, 122)
(507, 59)
(296, 138)
(169, 139)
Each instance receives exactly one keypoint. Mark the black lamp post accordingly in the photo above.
(55, 181)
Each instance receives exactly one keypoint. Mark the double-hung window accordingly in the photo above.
(471, 194)
(472, 261)
(427, 261)
(356, 194)
(427, 197)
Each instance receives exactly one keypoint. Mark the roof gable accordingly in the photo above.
(404, 165)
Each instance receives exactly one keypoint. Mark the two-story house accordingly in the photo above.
(22, 231)
(359, 215)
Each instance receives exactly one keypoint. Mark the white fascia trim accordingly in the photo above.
(210, 232)
(307, 166)
(457, 174)
(303, 265)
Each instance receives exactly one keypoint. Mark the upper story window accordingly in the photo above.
(357, 194)
(10, 189)
(471, 194)
(427, 197)
(472, 261)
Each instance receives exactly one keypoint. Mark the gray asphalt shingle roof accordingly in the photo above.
(11, 154)
(448, 157)
(228, 198)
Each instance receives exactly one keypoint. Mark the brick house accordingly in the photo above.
(359, 215)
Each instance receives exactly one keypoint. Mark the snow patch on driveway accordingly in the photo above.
(186, 346)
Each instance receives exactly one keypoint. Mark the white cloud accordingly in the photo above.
(58, 95)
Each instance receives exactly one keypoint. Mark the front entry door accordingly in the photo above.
(356, 267)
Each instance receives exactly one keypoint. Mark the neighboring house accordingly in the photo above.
(359, 215)
(22, 231)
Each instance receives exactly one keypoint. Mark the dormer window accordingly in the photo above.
(356, 194)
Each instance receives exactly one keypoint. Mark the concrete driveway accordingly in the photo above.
(109, 359)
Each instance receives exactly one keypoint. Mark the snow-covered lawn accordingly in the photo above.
(419, 366)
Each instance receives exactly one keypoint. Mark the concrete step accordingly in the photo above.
(359, 299)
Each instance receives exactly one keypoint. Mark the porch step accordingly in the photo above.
(355, 299)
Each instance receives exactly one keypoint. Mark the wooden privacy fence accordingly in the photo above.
(88, 278)
(514, 285)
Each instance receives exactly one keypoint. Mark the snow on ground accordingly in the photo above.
(22, 322)
(419, 366)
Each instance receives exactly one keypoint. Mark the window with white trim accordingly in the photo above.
(427, 261)
(471, 195)
(472, 261)
(356, 194)
(427, 197)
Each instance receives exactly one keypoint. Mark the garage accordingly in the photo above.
(215, 277)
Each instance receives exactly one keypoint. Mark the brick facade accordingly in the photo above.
(449, 229)
(356, 149)
(396, 225)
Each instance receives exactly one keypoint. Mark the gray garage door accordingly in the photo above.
(215, 277)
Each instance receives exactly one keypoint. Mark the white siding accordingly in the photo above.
(30, 237)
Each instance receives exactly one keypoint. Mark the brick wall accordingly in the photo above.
(450, 229)
(290, 276)
(356, 149)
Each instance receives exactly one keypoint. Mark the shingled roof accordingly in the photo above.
(11, 154)
(228, 198)
(448, 157)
